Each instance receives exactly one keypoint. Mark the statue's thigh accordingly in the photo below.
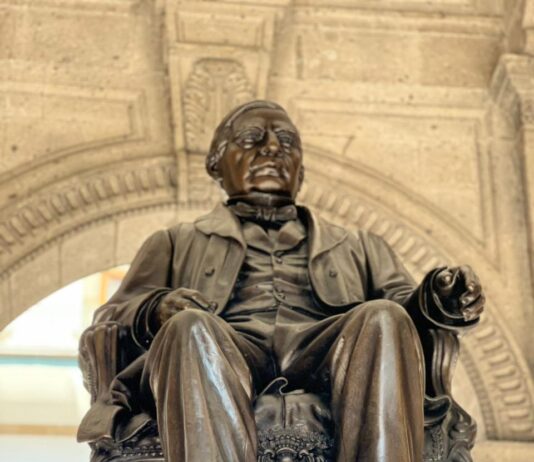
(329, 345)
(193, 339)
(301, 351)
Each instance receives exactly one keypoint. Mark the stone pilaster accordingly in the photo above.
(218, 56)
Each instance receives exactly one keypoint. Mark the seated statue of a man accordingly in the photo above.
(261, 288)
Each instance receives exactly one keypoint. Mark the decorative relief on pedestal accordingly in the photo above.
(292, 445)
(213, 88)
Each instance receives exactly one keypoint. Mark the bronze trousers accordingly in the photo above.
(203, 376)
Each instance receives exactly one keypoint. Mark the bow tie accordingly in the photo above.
(264, 213)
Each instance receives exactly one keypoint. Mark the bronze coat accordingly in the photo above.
(345, 270)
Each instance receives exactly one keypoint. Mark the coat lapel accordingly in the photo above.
(223, 255)
(323, 235)
(222, 222)
(327, 275)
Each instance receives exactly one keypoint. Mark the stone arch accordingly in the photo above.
(112, 211)
(495, 366)
(82, 250)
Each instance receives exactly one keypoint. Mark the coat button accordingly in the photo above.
(209, 271)
(333, 273)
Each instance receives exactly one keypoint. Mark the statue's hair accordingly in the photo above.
(223, 133)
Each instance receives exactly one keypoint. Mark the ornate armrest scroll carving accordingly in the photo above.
(457, 426)
(100, 357)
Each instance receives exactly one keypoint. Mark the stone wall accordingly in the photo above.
(424, 109)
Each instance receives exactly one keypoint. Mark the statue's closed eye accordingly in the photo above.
(287, 140)
(247, 139)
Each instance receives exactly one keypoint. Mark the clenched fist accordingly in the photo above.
(179, 300)
(460, 292)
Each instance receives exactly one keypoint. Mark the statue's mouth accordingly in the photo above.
(268, 169)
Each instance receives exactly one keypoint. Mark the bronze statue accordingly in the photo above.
(262, 291)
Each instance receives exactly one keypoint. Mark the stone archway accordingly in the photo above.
(491, 358)
(97, 231)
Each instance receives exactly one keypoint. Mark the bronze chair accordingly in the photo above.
(449, 430)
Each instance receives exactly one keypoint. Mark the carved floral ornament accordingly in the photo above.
(212, 89)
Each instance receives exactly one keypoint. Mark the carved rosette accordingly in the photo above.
(292, 445)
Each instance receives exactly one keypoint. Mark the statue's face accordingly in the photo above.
(263, 155)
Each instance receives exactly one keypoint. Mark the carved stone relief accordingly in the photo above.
(76, 203)
(213, 88)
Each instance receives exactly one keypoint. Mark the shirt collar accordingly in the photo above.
(289, 236)
(221, 221)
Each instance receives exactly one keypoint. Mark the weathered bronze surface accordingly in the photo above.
(262, 332)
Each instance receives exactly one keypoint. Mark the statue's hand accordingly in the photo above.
(460, 292)
(179, 300)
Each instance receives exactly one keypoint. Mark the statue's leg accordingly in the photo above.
(377, 385)
(370, 360)
(198, 370)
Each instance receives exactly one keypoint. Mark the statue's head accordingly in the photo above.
(256, 148)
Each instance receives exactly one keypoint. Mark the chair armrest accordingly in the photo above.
(441, 348)
(100, 357)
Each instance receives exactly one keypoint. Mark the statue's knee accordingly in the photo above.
(187, 321)
(384, 312)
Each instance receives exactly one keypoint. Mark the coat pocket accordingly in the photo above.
(338, 278)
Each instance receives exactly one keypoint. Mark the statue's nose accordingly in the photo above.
(272, 145)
